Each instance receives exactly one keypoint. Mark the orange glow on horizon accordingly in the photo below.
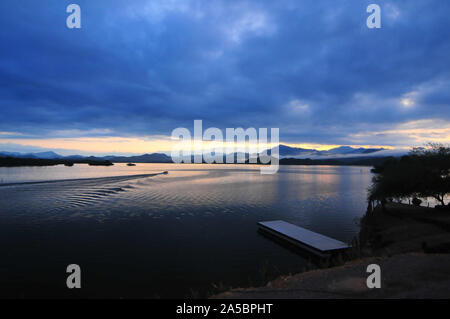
(326, 147)
(412, 133)
(139, 145)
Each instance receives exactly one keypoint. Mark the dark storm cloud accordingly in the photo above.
(312, 68)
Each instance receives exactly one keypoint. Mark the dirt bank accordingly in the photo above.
(411, 245)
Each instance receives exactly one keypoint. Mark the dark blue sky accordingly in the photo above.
(139, 69)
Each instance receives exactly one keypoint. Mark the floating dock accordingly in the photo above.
(315, 243)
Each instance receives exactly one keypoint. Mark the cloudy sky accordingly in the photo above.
(136, 70)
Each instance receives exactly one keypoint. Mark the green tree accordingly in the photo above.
(424, 172)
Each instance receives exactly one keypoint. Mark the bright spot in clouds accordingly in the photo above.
(407, 102)
(409, 99)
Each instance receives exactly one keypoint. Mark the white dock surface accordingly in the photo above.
(304, 236)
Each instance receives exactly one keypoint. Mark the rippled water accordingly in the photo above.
(136, 234)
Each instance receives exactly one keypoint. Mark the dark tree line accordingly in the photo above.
(424, 172)
(14, 161)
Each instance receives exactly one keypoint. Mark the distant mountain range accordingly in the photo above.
(42, 155)
(284, 152)
(287, 151)
(146, 158)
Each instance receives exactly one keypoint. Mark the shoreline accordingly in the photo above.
(411, 245)
(344, 161)
(39, 162)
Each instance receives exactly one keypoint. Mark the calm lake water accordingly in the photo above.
(167, 235)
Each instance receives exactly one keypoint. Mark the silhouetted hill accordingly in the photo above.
(146, 158)
(16, 161)
(331, 157)
(357, 161)
(287, 151)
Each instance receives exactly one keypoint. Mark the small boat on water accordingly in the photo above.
(131, 164)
